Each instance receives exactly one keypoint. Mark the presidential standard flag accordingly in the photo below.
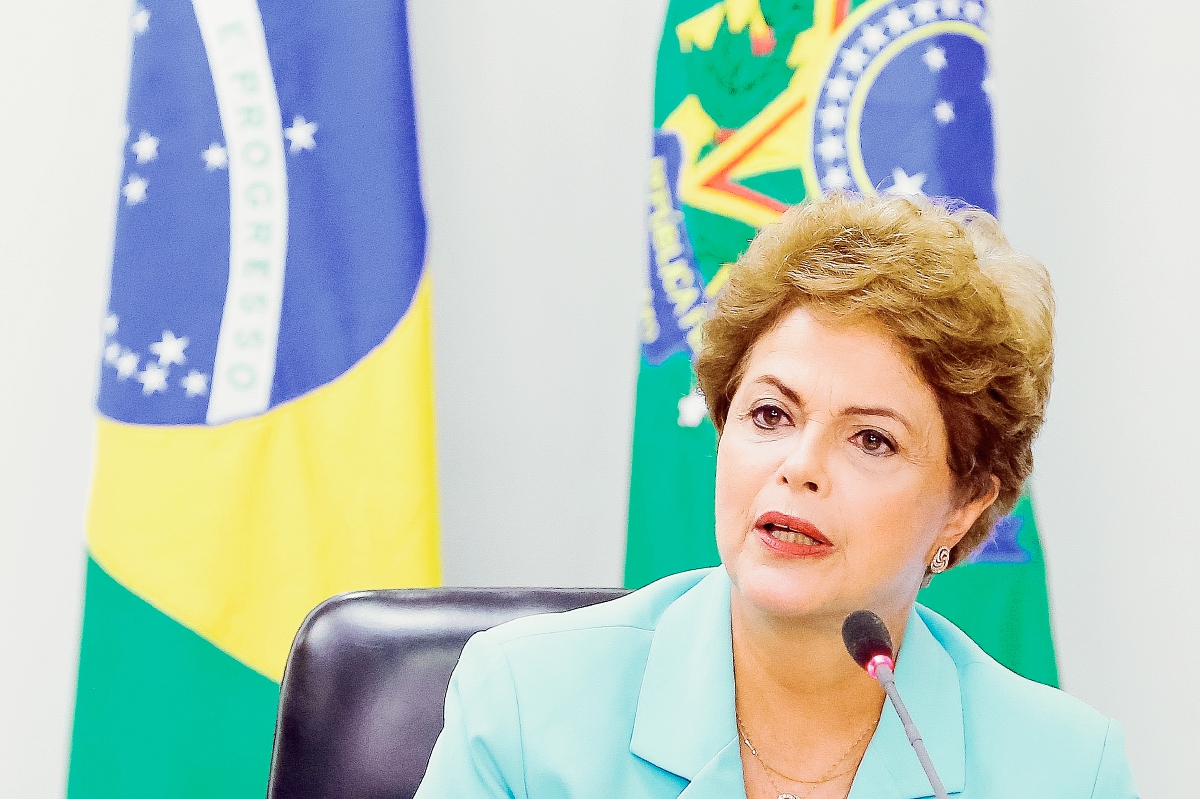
(757, 106)
(266, 424)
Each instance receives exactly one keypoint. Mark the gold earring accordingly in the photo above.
(941, 560)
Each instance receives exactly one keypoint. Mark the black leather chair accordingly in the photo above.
(365, 684)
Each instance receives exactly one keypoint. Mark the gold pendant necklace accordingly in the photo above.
(831, 774)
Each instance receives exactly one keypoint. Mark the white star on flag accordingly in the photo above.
(134, 189)
(837, 178)
(973, 11)
(111, 321)
(951, 8)
(897, 21)
(112, 354)
(153, 379)
(924, 11)
(692, 410)
(873, 37)
(832, 116)
(215, 157)
(300, 135)
(943, 112)
(140, 20)
(145, 148)
(935, 58)
(831, 147)
(988, 85)
(195, 384)
(854, 60)
(170, 349)
(905, 184)
(840, 88)
(127, 364)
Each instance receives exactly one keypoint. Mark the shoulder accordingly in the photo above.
(552, 655)
(1008, 696)
(517, 682)
(1014, 723)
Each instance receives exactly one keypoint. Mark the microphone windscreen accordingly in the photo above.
(866, 636)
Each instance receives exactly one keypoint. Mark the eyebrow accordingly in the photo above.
(783, 389)
(853, 410)
(886, 412)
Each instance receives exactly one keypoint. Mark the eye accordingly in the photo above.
(873, 442)
(769, 417)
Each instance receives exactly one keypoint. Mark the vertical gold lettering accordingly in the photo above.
(683, 299)
(658, 173)
(693, 317)
(677, 276)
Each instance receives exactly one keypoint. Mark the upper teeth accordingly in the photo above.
(790, 536)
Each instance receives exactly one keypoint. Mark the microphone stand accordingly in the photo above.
(883, 672)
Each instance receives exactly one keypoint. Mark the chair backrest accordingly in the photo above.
(365, 686)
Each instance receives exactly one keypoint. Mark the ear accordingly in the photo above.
(965, 515)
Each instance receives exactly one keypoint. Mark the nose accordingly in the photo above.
(805, 467)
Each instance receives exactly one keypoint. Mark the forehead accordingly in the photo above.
(858, 363)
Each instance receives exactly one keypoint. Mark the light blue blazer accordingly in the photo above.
(633, 699)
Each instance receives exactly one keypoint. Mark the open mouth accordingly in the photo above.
(791, 535)
(781, 533)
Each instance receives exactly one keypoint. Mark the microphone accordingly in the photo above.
(869, 643)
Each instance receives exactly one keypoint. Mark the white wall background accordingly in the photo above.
(1098, 117)
(62, 78)
(534, 119)
(535, 134)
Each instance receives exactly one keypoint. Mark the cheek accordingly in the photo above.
(729, 484)
(742, 471)
(894, 522)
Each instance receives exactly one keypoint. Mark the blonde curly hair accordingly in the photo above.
(975, 316)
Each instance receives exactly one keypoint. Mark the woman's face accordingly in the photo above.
(833, 489)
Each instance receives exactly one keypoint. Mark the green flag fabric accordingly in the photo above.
(759, 104)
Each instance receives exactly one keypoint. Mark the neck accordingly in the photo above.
(796, 674)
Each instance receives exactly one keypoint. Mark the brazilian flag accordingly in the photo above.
(265, 433)
(759, 104)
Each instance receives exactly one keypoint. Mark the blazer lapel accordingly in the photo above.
(721, 777)
(927, 680)
(685, 714)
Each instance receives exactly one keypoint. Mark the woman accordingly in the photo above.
(877, 370)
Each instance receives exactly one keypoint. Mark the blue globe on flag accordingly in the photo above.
(906, 106)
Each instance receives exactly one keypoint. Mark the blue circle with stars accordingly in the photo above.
(904, 107)
(927, 122)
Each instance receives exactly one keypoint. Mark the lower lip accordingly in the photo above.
(790, 550)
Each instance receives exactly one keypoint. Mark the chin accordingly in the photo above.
(790, 592)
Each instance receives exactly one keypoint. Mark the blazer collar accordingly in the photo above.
(928, 683)
(685, 711)
(685, 724)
